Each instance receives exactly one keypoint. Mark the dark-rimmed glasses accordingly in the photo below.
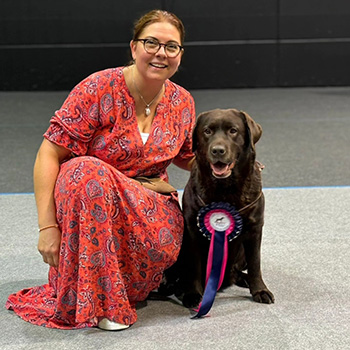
(152, 46)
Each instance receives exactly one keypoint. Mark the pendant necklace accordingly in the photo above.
(147, 108)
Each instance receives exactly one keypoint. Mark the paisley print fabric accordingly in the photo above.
(117, 236)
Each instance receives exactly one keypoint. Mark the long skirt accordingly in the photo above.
(117, 239)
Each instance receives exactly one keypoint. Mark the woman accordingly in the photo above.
(106, 237)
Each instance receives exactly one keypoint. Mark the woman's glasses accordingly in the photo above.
(153, 46)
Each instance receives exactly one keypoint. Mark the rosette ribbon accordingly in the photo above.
(220, 223)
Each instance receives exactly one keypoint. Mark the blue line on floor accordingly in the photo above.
(304, 187)
(15, 193)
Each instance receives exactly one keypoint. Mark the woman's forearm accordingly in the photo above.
(46, 169)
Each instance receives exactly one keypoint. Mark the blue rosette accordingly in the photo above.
(220, 223)
(221, 207)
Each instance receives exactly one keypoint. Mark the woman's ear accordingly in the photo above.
(133, 49)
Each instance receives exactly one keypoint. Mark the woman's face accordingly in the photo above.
(157, 66)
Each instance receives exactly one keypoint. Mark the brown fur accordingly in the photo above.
(227, 137)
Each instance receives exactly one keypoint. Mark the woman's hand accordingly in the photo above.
(185, 164)
(49, 245)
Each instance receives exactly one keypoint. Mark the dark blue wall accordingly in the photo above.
(52, 45)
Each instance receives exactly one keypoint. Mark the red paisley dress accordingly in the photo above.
(117, 236)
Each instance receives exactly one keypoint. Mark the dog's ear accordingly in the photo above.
(254, 128)
(194, 138)
(194, 134)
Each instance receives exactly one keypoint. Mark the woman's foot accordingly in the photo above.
(108, 325)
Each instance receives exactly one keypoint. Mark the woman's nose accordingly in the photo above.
(162, 50)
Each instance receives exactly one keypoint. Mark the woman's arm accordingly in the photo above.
(46, 169)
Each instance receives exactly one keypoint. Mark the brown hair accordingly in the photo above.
(155, 16)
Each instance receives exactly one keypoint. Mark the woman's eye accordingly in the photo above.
(172, 47)
(151, 42)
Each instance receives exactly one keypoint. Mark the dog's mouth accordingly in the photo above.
(222, 170)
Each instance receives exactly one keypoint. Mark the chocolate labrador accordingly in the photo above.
(225, 171)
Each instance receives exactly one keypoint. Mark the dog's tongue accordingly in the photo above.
(220, 169)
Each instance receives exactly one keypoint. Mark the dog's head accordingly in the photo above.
(221, 136)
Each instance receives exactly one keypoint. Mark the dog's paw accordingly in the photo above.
(264, 296)
(191, 300)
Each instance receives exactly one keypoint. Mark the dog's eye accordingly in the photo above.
(233, 131)
(207, 131)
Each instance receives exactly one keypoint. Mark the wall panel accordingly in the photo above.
(47, 45)
(315, 64)
(66, 21)
(300, 19)
(228, 20)
(56, 68)
(227, 66)
(314, 48)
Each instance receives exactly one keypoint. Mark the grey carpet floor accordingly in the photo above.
(305, 262)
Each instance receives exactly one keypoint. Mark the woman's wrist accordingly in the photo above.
(46, 227)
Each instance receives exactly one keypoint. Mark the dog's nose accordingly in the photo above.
(218, 150)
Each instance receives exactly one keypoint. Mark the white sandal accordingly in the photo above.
(108, 325)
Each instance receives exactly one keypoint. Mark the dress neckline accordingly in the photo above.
(126, 89)
(159, 108)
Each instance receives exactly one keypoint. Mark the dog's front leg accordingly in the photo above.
(192, 270)
(252, 249)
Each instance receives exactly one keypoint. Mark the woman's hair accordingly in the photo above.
(155, 16)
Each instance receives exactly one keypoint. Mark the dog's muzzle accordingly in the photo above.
(221, 170)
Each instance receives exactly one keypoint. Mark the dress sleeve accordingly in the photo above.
(185, 152)
(74, 124)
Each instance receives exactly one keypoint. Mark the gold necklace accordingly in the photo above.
(147, 108)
